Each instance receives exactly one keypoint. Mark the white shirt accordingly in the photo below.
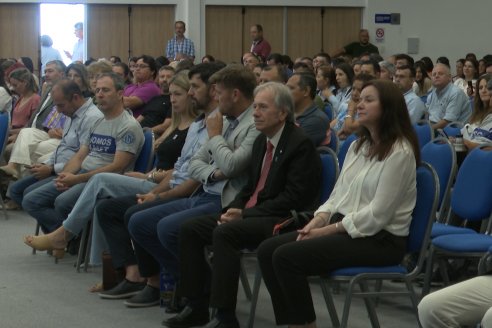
(375, 195)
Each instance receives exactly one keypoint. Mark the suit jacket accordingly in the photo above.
(293, 182)
(231, 156)
(42, 112)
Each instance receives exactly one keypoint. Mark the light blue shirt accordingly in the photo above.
(450, 104)
(415, 105)
(76, 131)
(78, 51)
(48, 54)
(175, 47)
(196, 137)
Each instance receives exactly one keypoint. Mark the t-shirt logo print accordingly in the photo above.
(128, 138)
(102, 144)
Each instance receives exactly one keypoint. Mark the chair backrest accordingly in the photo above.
(4, 131)
(440, 154)
(342, 151)
(329, 172)
(145, 159)
(423, 213)
(453, 129)
(424, 132)
(328, 110)
(334, 142)
(471, 198)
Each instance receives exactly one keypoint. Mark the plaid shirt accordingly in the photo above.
(185, 47)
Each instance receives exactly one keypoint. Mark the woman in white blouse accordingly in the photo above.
(366, 220)
(479, 129)
(470, 73)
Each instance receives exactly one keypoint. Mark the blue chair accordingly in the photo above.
(453, 129)
(342, 152)
(424, 132)
(418, 239)
(471, 200)
(145, 159)
(440, 154)
(328, 110)
(4, 133)
(329, 174)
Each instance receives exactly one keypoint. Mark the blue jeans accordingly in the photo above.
(50, 206)
(156, 229)
(22, 187)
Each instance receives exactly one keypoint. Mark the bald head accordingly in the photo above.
(441, 76)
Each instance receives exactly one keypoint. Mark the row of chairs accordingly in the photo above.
(4, 133)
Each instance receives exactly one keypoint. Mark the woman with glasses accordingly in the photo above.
(143, 88)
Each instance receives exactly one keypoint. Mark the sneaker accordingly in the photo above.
(124, 289)
(149, 296)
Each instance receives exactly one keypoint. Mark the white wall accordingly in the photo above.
(449, 28)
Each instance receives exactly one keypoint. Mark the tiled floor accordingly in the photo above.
(35, 292)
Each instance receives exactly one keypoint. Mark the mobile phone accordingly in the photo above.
(470, 85)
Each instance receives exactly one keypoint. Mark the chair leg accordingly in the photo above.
(428, 272)
(88, 244)
(330, 305)
(371, 309)
(3, 208)
(82, 246)
(36, 233)
(244, 280)
(254, 297)
(413, 299)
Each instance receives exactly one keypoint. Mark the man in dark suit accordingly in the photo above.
(284, 175)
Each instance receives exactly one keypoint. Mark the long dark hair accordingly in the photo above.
(394, 124)
(480, 110)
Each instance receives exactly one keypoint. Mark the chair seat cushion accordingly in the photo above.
(463, 243)
(353, 271)
(441, 229)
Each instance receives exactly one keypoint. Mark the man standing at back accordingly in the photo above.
(180, 47)
(446, 103)
(357, 48)
(260, 46)
(78, 49)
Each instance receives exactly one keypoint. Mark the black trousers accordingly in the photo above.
(286, 263)
(227, 241)
(114, 215)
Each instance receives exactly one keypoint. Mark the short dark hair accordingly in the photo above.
(149, 60)
(282, 73)
(443, 60)
(406, 57)
(118, 82)
(238, 77)
(180, 22)
(307, 80)
(324, 55)
(375, 65)
(276, 57)
(258, 27)
(69, 88)
(205, 70)
(411, 68)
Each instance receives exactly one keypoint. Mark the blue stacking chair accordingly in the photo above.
(440, 154)
(418, 239)
(4, 133)
(329, 174)
(328, 110)
(424, 132)
(342, 152)
(453, 129)
(145, 159)
(472, 200)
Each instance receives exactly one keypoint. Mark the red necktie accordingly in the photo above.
(264, 174)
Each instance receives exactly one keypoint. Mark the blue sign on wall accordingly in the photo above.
(382, 18)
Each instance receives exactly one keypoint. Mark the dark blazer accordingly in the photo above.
(294, 179)
(43, 110)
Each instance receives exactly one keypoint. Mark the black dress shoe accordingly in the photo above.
(188, 317)
(216, 323)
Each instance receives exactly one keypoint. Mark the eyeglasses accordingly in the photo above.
(141, 66)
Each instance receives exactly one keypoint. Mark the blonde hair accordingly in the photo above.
(181, 80)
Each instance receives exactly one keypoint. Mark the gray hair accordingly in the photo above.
(389, 66)
(282, 97)
(118, 82)
(59, 65)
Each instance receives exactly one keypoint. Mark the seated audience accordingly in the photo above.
(423, 83)
(122, 70)
(404, 79)
(470, 74)
(446, 103)
(366, 220)
(387, 70)
(344, 75)
(283, 176)
(479, 129)
(275, 73)
(307, 115)
(327, 84)
(143, 89)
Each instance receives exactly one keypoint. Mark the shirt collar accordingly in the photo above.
(276, 138)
